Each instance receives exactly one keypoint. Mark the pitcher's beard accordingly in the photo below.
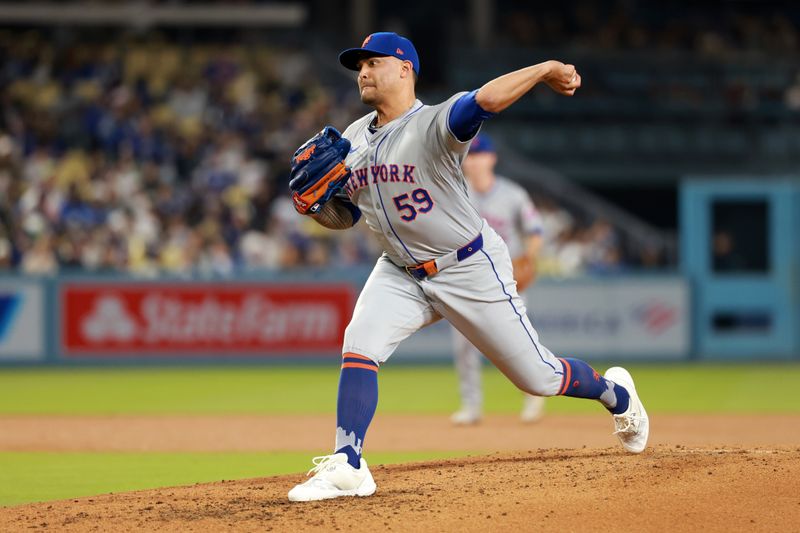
(369, 97)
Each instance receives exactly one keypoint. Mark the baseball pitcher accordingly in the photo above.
(399, 168)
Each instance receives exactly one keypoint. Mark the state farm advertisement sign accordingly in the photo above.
(112, 319)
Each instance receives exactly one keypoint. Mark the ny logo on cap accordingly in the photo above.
(366, 41)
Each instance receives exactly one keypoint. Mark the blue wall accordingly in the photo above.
(744, 305)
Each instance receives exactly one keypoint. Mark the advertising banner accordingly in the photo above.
(21, 320)
(109, 320)
(617, 318)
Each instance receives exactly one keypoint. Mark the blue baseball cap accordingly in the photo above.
(382, 44)
(481, 144)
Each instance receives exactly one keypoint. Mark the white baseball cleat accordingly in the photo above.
(532, 409)
(631, 427)
(466, 417)
(333, 478)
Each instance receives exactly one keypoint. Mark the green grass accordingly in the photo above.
(221, 390)
(40, 476)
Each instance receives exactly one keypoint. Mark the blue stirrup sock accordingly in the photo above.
(583, 381)
(358, 399)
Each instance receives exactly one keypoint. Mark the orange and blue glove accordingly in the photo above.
(318, 170)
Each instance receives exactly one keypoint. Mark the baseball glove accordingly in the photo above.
(524, 272)
(318, 170)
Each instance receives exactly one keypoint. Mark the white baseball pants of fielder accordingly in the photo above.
(477, 296)
(467, 360)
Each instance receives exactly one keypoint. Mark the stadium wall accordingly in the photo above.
(300, 317)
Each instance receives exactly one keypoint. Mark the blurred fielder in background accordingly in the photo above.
(508, 209)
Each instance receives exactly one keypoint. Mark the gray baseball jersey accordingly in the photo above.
(407, 182)
(508, 208)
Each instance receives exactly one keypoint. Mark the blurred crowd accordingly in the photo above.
(709, 29)
(576, 247)
(726, 60)
(143, 156)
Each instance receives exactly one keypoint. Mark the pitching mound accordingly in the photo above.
(668, 488)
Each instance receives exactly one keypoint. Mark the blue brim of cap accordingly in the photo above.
(350, 57)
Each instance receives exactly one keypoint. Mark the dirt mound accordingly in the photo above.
(667, 488)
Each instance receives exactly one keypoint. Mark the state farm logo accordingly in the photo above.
(109, 321)
(656, 316)
(175, 319)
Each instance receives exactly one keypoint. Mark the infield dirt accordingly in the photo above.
(711, 473)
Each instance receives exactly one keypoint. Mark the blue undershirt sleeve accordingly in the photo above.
(466, 116)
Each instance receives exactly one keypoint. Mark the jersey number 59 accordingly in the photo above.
(408, 211)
